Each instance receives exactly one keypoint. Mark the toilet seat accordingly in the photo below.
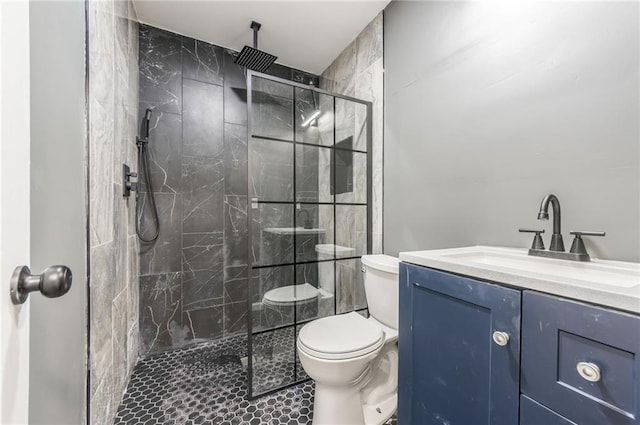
(291, 295)
(340, 337)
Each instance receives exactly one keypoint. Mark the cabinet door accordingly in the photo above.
(557, 336)
(450, 369)
(534, 413)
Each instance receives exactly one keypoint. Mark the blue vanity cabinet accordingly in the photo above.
(580, 360)
(534, 413)
(450, 369)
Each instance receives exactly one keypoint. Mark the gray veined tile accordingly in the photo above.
(202, 288)
(202, 251)
(203, 188)
(160, 70)
(235, 318)
(235, 159)
(235, 291)
(205, 323)
(235, 90)
(160, 312)
(235, 231)
(165, 153)
(101, 293)
(369, 43)
(163, 255)
(202, 61)
(202, 113)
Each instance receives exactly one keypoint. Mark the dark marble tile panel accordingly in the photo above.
(202, 251)
(271, 87)
(203, 192)
(202, 288)
(272, 243)
(235, 159)
(236, 272)
(160, 70)
(235, 291)
(202, 61)
(160, 312)
(205, 323)
(163, 255)
(235, 318)
(235, 90)
(202, 114)
(272, 116)
(235, 231)
(165, 152)
(271, 170)
(307, 172)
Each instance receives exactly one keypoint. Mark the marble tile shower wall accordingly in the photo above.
(113, 254)
(193, 279)
(358, 71)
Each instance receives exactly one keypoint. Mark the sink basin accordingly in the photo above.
(612, 283)
(292, 230)
(607, 273)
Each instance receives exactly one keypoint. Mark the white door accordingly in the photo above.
(43, 213)
(14, 206)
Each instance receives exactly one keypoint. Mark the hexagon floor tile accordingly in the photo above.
(206, 384)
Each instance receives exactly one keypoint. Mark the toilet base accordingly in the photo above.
(337, 405)
(381, 412)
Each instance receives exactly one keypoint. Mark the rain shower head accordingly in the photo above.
(251, 57)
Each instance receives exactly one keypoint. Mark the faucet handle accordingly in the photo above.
(537, 239)
(577, 247)
(586, 233)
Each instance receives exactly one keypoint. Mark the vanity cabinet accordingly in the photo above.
(580, 360)
(565, 362)
(451, 370)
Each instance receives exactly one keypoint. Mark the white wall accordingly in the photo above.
(490, 106)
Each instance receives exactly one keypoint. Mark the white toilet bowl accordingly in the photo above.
(354, 360)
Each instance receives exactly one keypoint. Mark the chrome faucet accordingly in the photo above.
(556, 238)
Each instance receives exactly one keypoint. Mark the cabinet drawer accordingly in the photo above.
(534, 413)
(559, 337)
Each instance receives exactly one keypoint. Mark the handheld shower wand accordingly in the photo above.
(144, 181)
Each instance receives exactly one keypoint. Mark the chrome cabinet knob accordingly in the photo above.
(588, 371)
(54, 282)
(501, 338)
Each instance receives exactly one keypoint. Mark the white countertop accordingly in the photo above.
(609, 283)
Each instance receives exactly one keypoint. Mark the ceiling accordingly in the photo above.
(304, 34)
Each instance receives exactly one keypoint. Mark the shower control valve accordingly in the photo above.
(127, 184)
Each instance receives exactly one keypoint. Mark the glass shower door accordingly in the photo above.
(309, 218)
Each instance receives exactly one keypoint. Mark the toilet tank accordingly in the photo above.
(382, 287)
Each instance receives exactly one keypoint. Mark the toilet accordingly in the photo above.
(354, 360)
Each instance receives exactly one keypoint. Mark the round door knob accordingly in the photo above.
(589, 371)
(54, 282)
(501, 338)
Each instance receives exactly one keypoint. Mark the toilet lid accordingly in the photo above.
(291, 294)
(341, 337)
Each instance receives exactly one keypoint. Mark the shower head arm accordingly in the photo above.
(255, 26)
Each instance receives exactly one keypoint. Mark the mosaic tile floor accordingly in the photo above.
(206, 384)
